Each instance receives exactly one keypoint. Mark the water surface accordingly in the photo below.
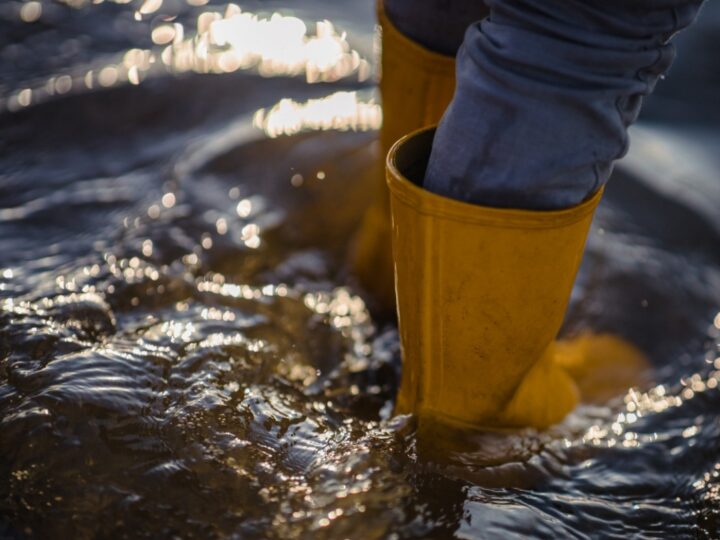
(184, 355)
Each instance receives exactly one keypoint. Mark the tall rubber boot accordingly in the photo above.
(416, 86)
(481, 294)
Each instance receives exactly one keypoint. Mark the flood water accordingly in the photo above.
(183, 353)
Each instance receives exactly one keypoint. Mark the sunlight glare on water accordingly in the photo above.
(340, 111)
(224, 41)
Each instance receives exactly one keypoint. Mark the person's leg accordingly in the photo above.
(438, 25)
(545, 92)
(417, 83)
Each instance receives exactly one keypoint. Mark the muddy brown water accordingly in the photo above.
(184, 355)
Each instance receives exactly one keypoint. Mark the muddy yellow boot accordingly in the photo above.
(416, 86)
(482, 293)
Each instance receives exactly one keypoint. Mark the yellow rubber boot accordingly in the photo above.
(416, 86)
(602, 365)
(481, 294)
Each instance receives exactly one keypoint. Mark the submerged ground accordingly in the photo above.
(183, 354)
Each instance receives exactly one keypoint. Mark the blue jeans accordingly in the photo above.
(546, 90)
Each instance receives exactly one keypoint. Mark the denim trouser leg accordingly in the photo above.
(546, 90)
(438, 25)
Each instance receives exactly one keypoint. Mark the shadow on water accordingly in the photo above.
(183, 354)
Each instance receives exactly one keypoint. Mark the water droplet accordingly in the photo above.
(244, 208)
(168, 200)
(31, 12)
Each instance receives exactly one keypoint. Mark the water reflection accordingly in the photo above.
(340, 111)
(31, 11)
(221, 42)
(277, 45)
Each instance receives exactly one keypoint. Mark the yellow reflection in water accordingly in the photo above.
(341, 111)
